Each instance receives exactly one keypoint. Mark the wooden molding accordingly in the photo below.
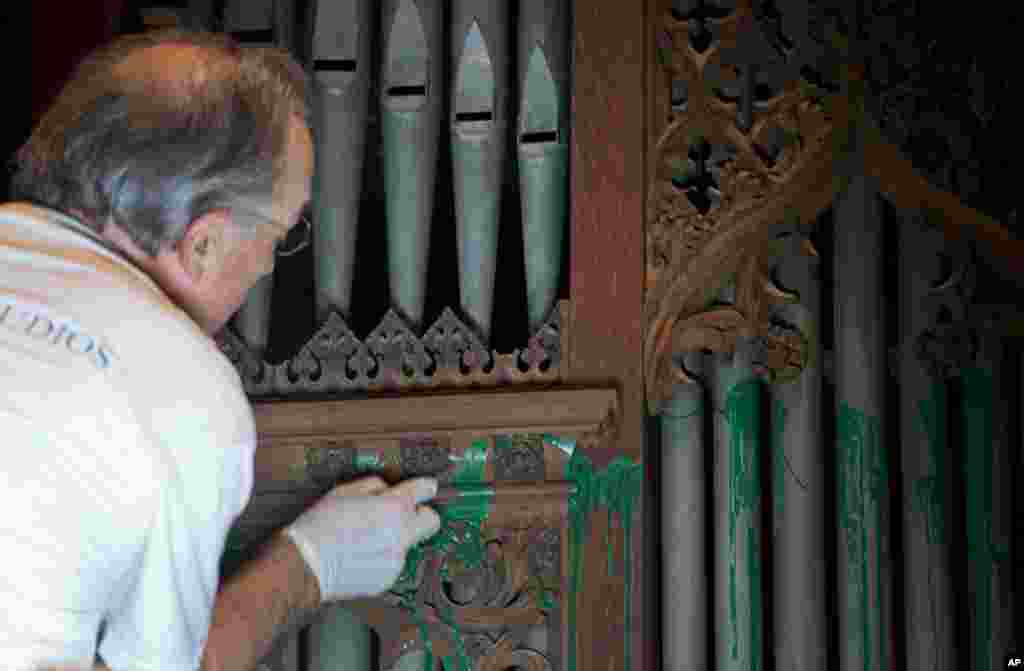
(483, 412)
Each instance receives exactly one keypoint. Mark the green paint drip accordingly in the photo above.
(863, 482)
(616, 489)
(982, 551)
(471, 465)
(929, 491)
(742, 413)
(779, 462)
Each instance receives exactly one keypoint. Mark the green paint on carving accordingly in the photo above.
(982, 551)
(471, 464)
(460, 540)
(367, 460)
(863, 481)
(742, 413)
(779, 462)
(929, 491)
(615, 489)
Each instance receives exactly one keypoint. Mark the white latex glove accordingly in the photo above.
(355, 538)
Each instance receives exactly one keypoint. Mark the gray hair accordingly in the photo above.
(153, 154)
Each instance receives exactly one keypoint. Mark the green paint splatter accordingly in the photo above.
(863, 482)
(742, 414)
(982, 551)
(779, 462)
(460, 541)
(929, 491)
(471, 465)
(616, 489)
(367, 460)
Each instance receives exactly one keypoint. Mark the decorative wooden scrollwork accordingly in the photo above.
(482, 595)
(748, 147)
(761, 112)
(393, 357)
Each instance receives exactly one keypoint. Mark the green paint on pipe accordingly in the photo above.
(742, 412)
(863, 482)
(929, 491)
(982, 551)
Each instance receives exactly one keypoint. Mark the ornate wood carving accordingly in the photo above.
(760, 113)
(485, 612)
(393, 357)
(737, 157)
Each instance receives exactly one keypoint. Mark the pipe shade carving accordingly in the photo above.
(759, 120)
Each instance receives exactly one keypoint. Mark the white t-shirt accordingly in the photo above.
(127, 445)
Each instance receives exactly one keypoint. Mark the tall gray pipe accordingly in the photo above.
(926, 466)
(341, 62)
(862, 462)
(479, 120)
(989, 483)
(683, 527)
(798, 484)
(739, 580)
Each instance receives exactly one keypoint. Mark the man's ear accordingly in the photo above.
(206, 245)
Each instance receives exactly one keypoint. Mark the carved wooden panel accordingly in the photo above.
(392, 357)
(502, 584)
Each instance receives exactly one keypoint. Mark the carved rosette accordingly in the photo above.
(519, 457)
(393, 357)
(746, 147)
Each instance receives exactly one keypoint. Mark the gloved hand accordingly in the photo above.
(355, 538)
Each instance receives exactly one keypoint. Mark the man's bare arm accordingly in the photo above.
(269, 596)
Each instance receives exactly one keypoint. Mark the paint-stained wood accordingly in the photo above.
(606, 280)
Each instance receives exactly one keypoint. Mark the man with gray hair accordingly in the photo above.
(151, 196)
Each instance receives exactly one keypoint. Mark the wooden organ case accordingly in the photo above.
(445, 112)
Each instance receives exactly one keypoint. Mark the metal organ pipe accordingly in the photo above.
(543, 148)
(341, 61)
(926, 465)
(478, 124)
(411, 88)
(862, 478)
(683, 526)
(798, 484)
